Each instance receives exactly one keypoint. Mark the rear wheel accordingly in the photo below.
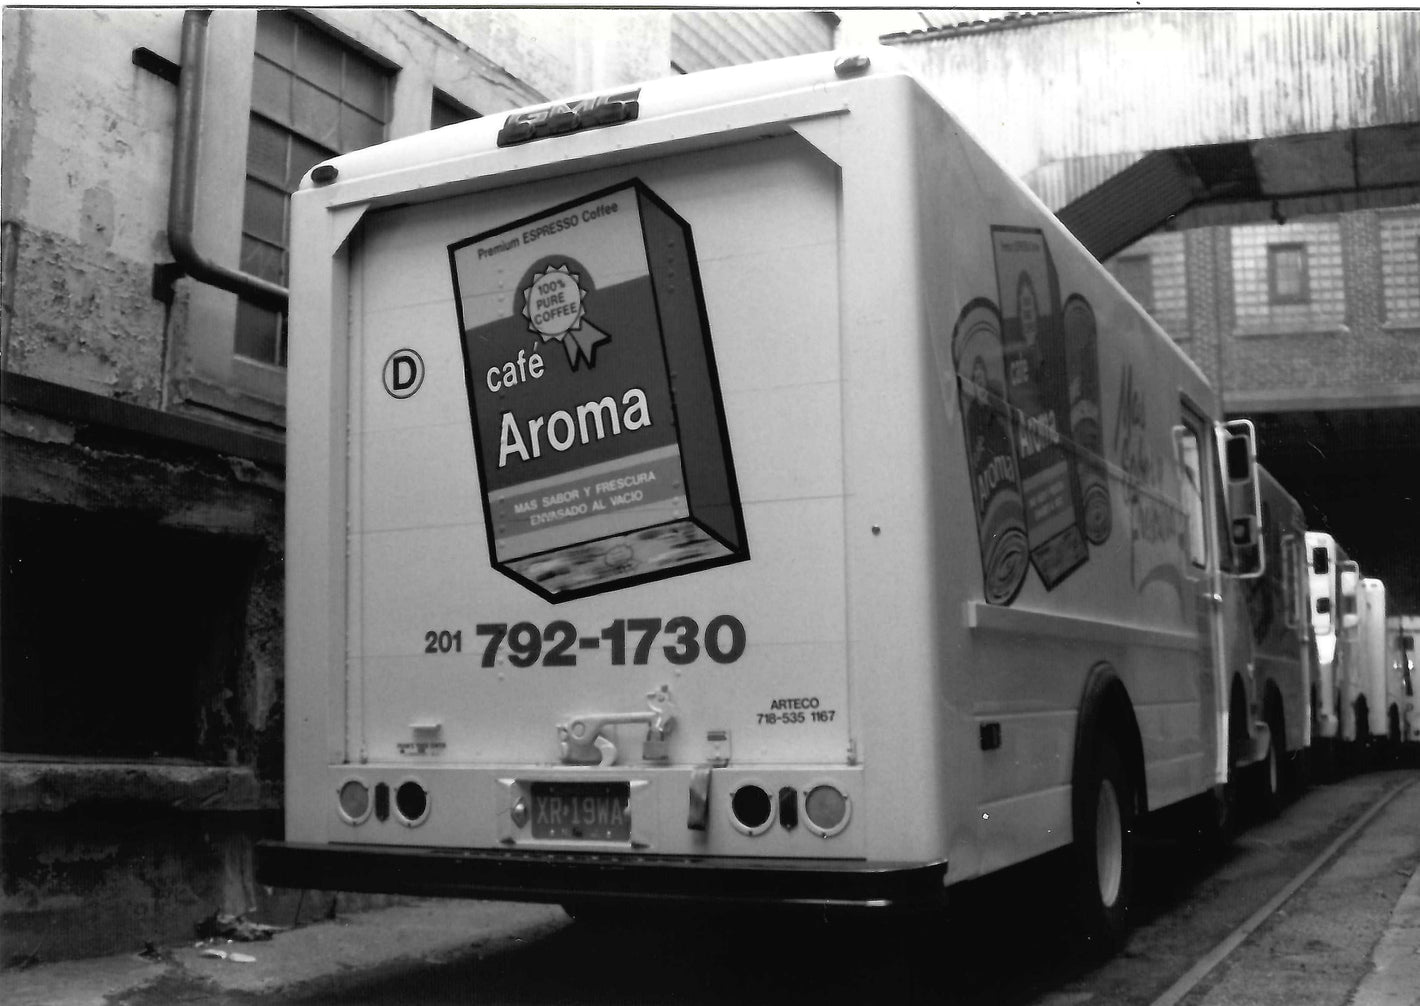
(1362, 746)
(1104, 811)
(1271, 788)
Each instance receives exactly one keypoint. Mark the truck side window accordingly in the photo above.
(1191, 487)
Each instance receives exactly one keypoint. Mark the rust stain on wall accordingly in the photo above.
(96, 218)
(19, 120)
(84, 317)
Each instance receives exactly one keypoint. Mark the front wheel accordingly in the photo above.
(1104, 812)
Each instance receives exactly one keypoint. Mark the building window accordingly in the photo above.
(1136, 274)
(1155, 273)
(312, 98)
(1400, 268)
(1287, 274)
(446, 111)
(1288, 278)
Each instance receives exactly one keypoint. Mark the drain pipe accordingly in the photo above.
(182, 193)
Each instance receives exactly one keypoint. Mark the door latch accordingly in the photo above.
(584, 739)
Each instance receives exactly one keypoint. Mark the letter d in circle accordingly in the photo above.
(403, 373)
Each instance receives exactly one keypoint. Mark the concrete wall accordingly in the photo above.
(87, 144)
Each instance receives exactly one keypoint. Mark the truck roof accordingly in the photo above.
(659, 98)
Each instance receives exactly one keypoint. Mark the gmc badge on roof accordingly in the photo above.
(561, 118)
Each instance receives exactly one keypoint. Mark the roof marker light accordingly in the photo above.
(851, 66)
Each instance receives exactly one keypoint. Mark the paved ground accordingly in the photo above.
(1350, 937)
(297, 959)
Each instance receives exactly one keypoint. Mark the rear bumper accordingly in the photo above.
(506, 875)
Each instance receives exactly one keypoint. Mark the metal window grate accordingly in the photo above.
(1260, 305)
(312, 97)
(1400, 267)
(445, 111)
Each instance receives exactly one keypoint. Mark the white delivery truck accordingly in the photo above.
(1283, 661)
(1402, 709)
(1367, 685)
(1333, 579)
(739, 489)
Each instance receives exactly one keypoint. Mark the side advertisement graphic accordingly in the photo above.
(986, 418)
(1028, 373)
(1029, 295)
(600, 435)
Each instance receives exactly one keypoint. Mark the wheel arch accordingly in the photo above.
(1106, 709)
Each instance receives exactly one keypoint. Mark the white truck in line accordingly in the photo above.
(1283, 664)
(1333, 582)
(739, 489)
(1402, 710)
(1365, 688)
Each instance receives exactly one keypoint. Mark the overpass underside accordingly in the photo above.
(1278, 178)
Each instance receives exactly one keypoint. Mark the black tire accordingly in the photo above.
(1213, 820)
(1301, 772)
(1362, 746)
(1104, 808)
(1270, 784)
(1324, 759)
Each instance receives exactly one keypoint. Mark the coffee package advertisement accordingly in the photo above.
(991, 461)
(1028, 292)
(598, 426)
(1086, 429)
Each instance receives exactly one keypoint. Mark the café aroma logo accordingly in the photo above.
(600, 436)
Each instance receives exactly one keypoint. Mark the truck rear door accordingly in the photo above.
(595, 467)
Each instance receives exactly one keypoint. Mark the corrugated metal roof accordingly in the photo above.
(956, 23)
(1048, 87)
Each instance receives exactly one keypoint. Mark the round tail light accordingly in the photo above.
(752, 809)
(826, 809)
(354, 801)
(411, 801)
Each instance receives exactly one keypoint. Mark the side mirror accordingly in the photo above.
(1321, 562)
(1244, 499)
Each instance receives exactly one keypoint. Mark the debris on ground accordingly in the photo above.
(152, 952)
(229, 955)
(221, 926)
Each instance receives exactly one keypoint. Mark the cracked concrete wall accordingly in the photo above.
(87, 142)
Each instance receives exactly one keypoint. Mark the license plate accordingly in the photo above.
(579, 811)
